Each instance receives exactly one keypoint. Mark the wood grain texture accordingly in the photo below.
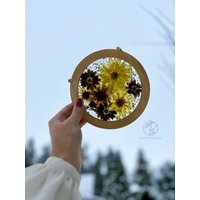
(115, 53)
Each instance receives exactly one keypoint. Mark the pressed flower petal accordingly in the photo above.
(122, 103)
(104, 113)
(92, 104)
(89, 79)
(115, 73)
(134, 88)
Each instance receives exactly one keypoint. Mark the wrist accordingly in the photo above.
(72, 158)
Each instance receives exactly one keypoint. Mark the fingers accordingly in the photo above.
(72, 112)
(77, 112)
(64, 113)
(82, 123)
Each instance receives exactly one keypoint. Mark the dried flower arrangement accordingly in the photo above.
(114, 87)
(111, 88)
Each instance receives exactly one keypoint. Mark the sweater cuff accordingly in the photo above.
(60, 164)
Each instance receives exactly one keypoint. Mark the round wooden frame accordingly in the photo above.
(116, 53)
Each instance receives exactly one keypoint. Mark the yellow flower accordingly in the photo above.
(85, 94)
(122, 103)
(115, 74)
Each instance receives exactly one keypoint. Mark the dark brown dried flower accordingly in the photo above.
(134, 88)
(100, 94)
(86, 95)
(89, 79)
(104, 113)
(92, 104)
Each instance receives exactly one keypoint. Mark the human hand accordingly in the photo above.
(66, 135)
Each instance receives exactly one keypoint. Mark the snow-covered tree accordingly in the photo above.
(142, 179)
(115, 183)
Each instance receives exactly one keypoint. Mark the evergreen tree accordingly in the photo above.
(115, 183)
(166, 181)
(142, 179)
(144, 195)
(30, 154)
(46, 151)
(99, 175)
(142, 176)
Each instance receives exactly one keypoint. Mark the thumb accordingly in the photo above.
(77, 111)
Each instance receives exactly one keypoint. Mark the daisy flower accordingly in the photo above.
(105, 113)
(100, 94)
(122, 103)
(85, 94)
(115, 73)
(89, 79)
(134, 88)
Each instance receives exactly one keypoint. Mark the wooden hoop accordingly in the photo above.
(116, 53)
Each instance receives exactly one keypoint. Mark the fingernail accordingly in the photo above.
(79, 103)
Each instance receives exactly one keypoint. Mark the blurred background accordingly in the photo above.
(135, 162)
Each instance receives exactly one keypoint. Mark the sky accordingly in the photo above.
(59, 35)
